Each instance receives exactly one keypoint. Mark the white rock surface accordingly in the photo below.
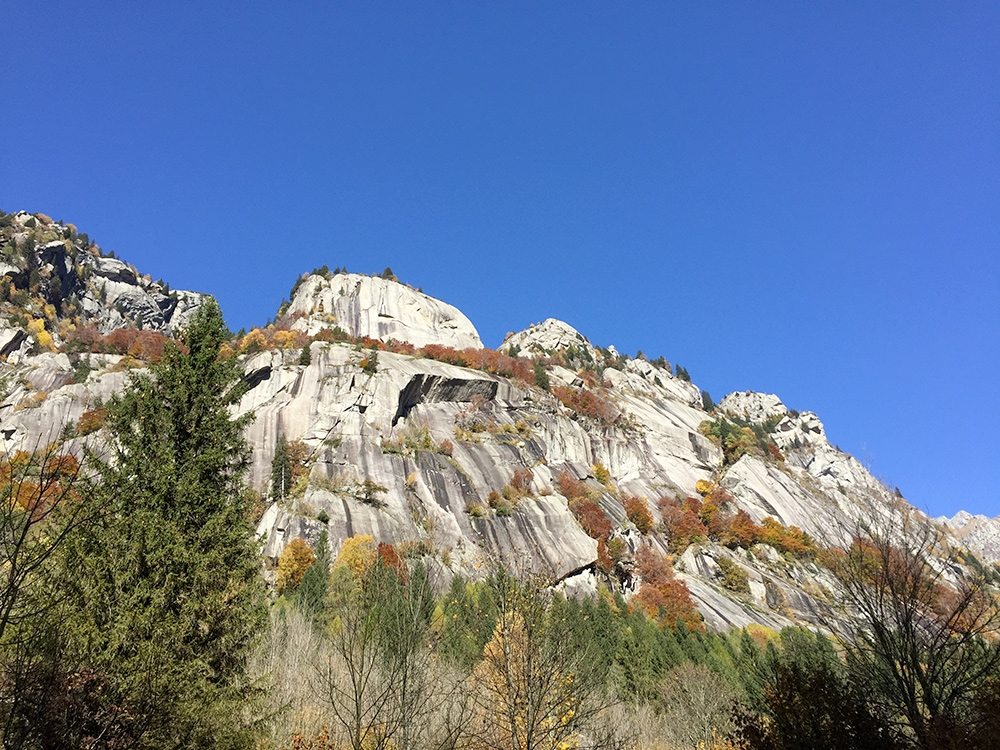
(752, 406)
(546, 337)
(435, 501)
(380, 309)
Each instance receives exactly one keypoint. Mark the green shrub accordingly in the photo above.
(734, 577)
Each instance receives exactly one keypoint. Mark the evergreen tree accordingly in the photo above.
(312, 592)
(541, 375)
(281, 469)
(706, 401)
(305, 356)
(166, 593)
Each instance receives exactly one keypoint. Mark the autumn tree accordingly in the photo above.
(295, 560)
(43, 502)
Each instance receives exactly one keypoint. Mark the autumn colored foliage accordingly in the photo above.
(591, 516)
(587, 403)
(143, 345)
(390, 558)
(715, 518)
(90, 421)
(661, 595)
(570, 487)
(36, 483)
(638, 513)
(293, 564)
(358, 553)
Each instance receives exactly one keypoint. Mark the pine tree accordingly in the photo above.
(168, 596)
(281, 469)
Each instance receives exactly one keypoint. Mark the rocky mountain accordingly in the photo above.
(378, 308)
(553, 454)
(55, 281)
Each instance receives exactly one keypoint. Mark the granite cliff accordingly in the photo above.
(553, 454)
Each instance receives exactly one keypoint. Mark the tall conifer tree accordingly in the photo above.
(170, 601)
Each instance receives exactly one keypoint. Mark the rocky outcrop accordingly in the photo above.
(547, 337)
(378, 308)
(978, 533)
(57, 276)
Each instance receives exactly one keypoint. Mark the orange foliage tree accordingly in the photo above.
(36, 489)
(661, 595)
(638, 513)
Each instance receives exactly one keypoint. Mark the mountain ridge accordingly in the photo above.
(550, 452)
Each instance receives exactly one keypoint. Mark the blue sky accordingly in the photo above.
(797, 198)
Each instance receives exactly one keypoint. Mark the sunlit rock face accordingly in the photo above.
(53, 274)
(380, 309)
(425, 455)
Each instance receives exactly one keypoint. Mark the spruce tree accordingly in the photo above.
(169, 601)
(281, 469)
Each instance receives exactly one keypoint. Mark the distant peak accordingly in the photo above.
(549, 336)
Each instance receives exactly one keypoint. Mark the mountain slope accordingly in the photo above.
(554, 455)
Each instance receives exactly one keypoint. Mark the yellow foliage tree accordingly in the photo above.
(284, 339)
(293, 563)
(253, 341)
(535, 688)
(43, 337)
(357, 553)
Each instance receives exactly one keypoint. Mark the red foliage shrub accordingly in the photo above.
(586, 403)
(87, 335)
(521, 482)
(486, 360)
(682, 522)
(148, 346)
(593, 519)
(120, 340)
(744, 532)
(604, 561)
(570, 487)
(661, 595)
(390, 557)
(443, 354)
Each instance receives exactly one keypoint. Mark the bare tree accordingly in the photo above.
(380, 679)
(925, 647)
(696, 703)
(36, 490)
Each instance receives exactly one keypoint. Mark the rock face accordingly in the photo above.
(549, 336)
(458, 466)
(61, 279)
(381, 309)
(978, 533)
(395, 427)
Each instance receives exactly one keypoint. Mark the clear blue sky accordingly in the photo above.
(800, 198)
